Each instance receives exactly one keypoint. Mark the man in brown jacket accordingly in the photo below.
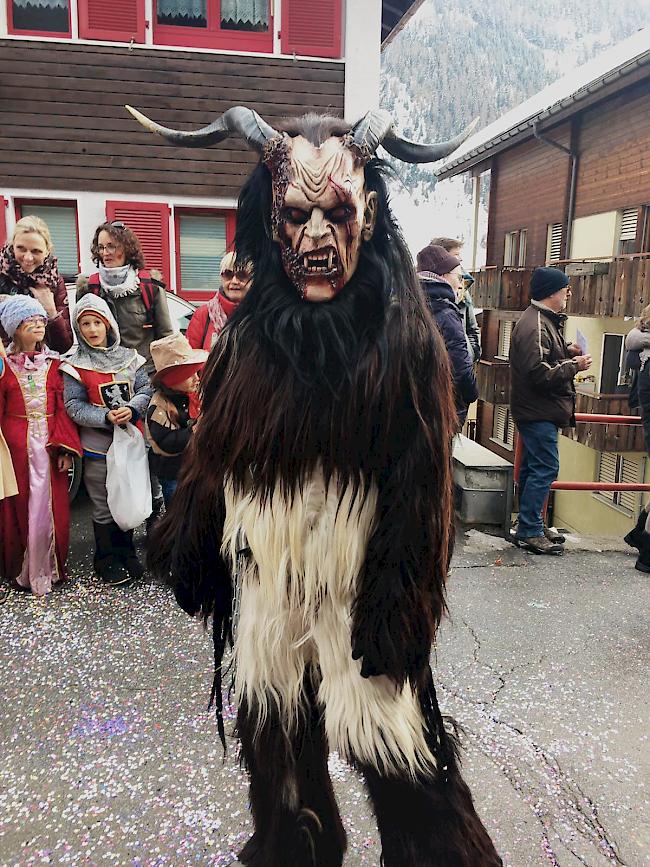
(542, 400)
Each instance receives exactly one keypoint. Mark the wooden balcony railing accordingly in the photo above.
(620, 287)
(493, 378)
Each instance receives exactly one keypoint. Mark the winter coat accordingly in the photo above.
(132, 316)
(472, 331)
(541, 369)
(442, 304)
(58, 334)
(96, 381)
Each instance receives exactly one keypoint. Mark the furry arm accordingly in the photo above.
(401, 596)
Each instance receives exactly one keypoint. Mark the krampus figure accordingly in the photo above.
(319, 476)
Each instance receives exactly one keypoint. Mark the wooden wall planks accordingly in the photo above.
(72, 131)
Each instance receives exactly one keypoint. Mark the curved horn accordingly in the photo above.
(410, 152)
(368, 133)
(238, 120)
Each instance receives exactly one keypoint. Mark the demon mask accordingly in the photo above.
(322, 212)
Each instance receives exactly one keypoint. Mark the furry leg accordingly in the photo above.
(431, 823)
(294, 810)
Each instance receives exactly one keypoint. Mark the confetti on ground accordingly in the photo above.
(111, 757)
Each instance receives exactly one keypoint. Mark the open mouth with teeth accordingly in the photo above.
(323, 262)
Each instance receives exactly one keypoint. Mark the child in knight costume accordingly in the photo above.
(325, 442)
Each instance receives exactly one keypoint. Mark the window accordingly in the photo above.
(312, 27)
(510, 250)
(554, 242)
(612, 371)
(514, 253)
(150, 222)
(627, 231)
(523, 238)
(505, 332)
(202, 237)
(503, 429)
(624, 470)
(61, 219)
(39, 17)
(118, 21)
(242, 24)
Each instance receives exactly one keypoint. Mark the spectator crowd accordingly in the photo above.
(68, 389)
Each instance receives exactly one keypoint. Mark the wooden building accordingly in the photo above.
(567, 179)
(70, 153)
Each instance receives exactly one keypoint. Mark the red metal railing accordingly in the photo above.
(589, 486)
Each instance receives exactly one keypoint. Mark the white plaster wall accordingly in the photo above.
(91, 211)
(3, 19)
(361, 49)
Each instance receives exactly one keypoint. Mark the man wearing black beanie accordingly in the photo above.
(542, 400)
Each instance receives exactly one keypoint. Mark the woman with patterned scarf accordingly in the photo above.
(206, 324)
(136, 297)
(29, 267)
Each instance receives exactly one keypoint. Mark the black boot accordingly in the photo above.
(158, 508)
(634, 537)
(123, 543)
(107, 562)
(643, 560)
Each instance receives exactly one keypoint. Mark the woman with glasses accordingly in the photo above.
(207, 322)
(28, 266)
(136, 297)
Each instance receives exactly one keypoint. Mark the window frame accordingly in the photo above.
(87, 31)
(620, 377)
(181, 211)
(508, 427)
(57, 34)
(213, 36)
(54, 203)
(4, 204)
(613, 498)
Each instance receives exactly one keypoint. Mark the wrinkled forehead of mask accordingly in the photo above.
(313, 176)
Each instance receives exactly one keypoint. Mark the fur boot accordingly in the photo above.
(296, 818)
(430, 823)
(643, 560)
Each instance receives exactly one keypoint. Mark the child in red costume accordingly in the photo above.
(34, 524)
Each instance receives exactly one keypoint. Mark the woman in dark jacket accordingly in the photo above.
(441, 275)
(28, 267)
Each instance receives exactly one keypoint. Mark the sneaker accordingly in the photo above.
(553, 536)
(539, 545)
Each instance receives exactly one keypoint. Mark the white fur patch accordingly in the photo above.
(296, 599)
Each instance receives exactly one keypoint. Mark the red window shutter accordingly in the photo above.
(150, 222)
(117, 21)
(3, 221)
(312, 27)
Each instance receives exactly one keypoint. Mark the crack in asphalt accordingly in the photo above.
(558, 802)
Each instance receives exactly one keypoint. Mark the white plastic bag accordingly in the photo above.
(127, 478)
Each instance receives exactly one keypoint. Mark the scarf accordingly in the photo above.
(220, 309)
(45, 276)
(21, 361)
(119, 282)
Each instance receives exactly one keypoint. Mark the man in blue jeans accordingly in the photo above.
(542, 400)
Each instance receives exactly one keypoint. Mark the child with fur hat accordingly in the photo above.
(106, 384)
(171, 413)
(35, 522)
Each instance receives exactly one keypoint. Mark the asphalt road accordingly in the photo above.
(109, 756)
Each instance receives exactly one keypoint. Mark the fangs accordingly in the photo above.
(319, 263)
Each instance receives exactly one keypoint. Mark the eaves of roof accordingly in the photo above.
(564, 107)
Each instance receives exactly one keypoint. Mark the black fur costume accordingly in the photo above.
(349, 402)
